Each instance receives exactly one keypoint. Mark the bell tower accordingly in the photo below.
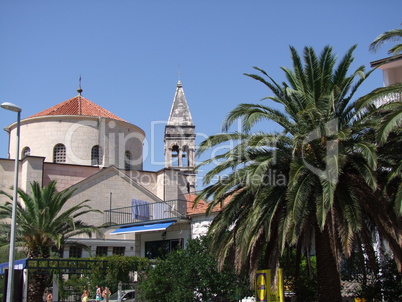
(180, 139)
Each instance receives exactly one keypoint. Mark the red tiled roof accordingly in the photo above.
(78, 106)
(201, 207)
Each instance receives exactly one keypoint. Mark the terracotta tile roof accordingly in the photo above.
(201, 207)
(78, 106)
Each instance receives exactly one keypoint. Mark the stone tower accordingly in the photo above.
(180, 139)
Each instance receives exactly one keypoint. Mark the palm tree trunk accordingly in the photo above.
(329, 284)
(38, 279)
(37, 285)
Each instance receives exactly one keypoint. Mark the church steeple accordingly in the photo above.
(180, 113)
(180, 137)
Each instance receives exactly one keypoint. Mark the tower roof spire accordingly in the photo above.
(180, 112)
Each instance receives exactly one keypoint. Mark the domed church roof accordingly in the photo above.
(78, 106)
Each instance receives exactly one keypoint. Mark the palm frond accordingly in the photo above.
(393, 35)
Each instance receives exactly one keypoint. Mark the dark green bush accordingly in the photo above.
(192, 275)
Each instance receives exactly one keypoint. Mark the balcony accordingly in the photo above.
(143, 211)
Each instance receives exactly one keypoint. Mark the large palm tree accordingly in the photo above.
(44, 224)
(311, 185)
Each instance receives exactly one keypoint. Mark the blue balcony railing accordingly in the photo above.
(146, 212)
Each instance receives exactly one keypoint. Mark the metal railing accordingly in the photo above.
(146, 212)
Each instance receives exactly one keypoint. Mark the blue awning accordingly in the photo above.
(143, 228)
(18, 265)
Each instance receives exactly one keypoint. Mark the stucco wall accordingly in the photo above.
(79, 134)
(200, 225)
(176, 231)
(7, 178)
(105, 191)
(66, 175)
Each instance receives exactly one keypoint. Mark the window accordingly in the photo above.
(96, 156)
(59, 153)
(127, 160)
(101, 251)
(26, 151)
(160, 249)
(119, 250)
(175, 156)
(129, 295)
(185, 159)
(75, 251)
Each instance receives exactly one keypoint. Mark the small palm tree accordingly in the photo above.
(44, 224)
(393, 35)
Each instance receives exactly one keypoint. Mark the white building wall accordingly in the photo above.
(176, 231)
(7, 178)
(149, 180)
(79, 134)
(31, 170)
(392, 75)
(200, 225)
(106, 191)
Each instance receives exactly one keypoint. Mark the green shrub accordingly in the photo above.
(192, 274)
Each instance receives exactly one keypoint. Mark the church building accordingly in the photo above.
(90, 150)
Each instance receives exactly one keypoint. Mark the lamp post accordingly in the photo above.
(10, 281)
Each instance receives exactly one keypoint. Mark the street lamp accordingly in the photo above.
(10, 281)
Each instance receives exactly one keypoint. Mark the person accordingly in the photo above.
(106, 293)
(85, 295)
(98, 294)
(49, 296)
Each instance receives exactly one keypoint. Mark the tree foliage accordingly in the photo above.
(191, 275)
(43, 221)
(384, 284)
(393, 35)
(118, 269)
(300, 275)
(330, 198)
(43, 224)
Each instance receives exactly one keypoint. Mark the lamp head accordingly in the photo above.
(11, 107)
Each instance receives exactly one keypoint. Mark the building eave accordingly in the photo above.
(385, 61)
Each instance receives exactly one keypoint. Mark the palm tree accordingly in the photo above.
(312, 185)
(386, 120)
(388, 116)
(388, 36)
(43, 225)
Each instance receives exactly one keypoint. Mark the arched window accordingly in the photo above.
(184, 156)
(127, 160)
(175, 156)
(96, 156)
(59, 153)
(26, 151)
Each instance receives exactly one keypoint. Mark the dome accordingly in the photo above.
(80, 132)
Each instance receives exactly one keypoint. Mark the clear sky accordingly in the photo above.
(131, 53)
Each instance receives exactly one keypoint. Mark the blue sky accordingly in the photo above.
(129, 53)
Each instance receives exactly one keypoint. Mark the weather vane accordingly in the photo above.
(179, 72)
(79, 90)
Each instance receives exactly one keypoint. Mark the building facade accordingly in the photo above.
(99, 155)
